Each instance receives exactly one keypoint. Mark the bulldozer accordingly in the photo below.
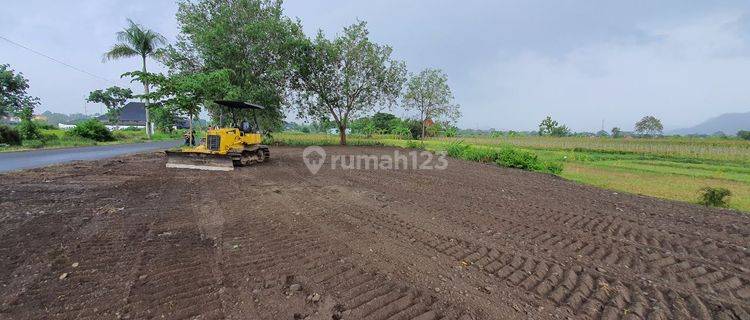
(223, 149)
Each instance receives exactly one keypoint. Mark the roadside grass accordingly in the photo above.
(58, 138)
(673, 168)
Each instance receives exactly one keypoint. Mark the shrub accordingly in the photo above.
(413, 144)
(10, 136)
(715, 197)
(28, 130)
(520, 159)
(92, 129)
(555, 168)
(743, 134)
(456, 149)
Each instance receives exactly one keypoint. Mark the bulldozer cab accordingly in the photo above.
(244, 126)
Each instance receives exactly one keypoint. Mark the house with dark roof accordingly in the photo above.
(133, 114)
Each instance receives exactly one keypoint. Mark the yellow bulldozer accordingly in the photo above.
(222, 149)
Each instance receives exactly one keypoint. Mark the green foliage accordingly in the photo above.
(347, 77)
(552, 128)
(451, 132)
(13, 97)
(715, 197)
(28, 130)
(253, 39)
(616, 132)
(429, 95)
(113, 98)
(9, 136)
(649, 125)
(163, 119)
(382, 122)
(560, 131)
(505, 156)
(743, 134)
(91, 129)
(414, 144)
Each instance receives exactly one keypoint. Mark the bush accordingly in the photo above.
(28, 130)
(520, 159)
(715, 197)
(413, 144)
(10, 136)
(555, 168)
(456, 149)
(44, 125)
(743, 134)
(92, 129)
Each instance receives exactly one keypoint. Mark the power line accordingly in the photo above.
(55, 60)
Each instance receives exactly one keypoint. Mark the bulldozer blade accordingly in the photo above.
(198, 161)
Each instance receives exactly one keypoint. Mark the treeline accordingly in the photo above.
(381, 123)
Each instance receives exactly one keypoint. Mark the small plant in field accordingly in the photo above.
(714, 197)
(413, 144)
(555, 168)
(456, 149)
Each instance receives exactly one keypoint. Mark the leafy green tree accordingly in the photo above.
(649, 125)
(382, 121)
(14, 100)
(602, 133)
(616, 132)
(113, 98)
(253, 39)
(560, 131)
(743, 134)
(138, 41)
(547, 125)
(429, 94)
(347, 77)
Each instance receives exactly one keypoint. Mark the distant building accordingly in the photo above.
(132, 115)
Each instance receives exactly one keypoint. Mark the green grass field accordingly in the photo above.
(668, 168)
(57, 138)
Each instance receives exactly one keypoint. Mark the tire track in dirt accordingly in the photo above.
(292, 246)
(624, 256)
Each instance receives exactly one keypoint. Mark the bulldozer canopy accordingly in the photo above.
(238, 104)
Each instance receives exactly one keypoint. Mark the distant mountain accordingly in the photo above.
(729, 123)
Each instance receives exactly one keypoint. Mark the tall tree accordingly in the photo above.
(14, 100)
(649, 125)
(251, 38)
(547, 125)
(113, 98)
(429, 94)
(138, 41)
(347, 77)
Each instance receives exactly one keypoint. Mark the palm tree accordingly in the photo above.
(135, 40)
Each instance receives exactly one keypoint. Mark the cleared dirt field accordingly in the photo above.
(128, 238)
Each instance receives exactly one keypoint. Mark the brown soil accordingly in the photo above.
(129, 238)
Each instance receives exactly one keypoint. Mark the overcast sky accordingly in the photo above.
(510, 63)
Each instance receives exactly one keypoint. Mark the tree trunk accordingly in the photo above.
(192, 134)
(342, 135)
(423, 120)
(147, 103)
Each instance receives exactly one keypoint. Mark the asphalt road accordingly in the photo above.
(11, 161)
